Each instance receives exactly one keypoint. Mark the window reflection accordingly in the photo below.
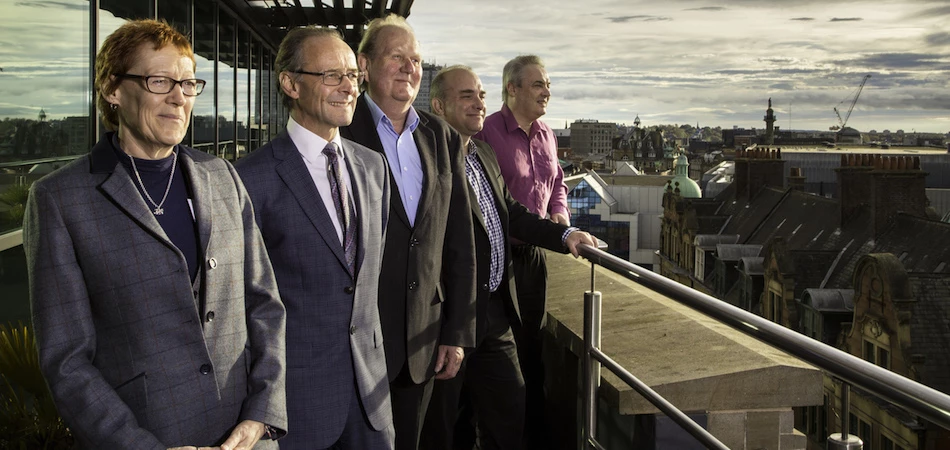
(242, 113)
(226, 86)
(202, 121)
(45, 87)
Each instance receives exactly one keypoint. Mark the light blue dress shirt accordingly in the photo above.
(403, 156)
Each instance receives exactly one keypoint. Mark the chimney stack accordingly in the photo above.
(765, 168)
(898, 187)
(854, 186)
(795, 179)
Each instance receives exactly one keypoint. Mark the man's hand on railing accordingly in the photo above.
(579, 237)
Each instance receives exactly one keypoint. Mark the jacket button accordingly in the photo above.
(212, 263)
(352, 330)
(348, 289)
(205, 369)
(196, 293)
(485, 287)
(209, 317)
(412, 285)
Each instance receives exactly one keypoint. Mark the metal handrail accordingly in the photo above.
(922, 400)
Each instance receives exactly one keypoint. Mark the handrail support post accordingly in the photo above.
(845, 440)
(592, 321)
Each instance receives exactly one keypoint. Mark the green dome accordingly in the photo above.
(686, 186)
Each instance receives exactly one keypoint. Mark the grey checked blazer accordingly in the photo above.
(333, 328)
(133, 358)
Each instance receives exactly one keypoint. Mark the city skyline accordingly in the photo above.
(715, 63)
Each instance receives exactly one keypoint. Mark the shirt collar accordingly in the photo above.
(309, 144)
(511, 124)
(412, 117)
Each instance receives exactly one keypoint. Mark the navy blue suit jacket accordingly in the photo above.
(333, 328)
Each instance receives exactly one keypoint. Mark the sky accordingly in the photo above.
(715, 63)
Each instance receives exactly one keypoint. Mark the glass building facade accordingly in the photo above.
(48, 115)
(582, 200)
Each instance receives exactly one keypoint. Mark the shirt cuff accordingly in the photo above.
(567, 233)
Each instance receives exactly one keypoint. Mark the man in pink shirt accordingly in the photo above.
(527, 154)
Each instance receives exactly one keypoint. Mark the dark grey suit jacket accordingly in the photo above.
(516, 221)
(333, 329)
(428, 279)
(133, 358)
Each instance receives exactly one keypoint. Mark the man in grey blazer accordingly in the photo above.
(322, 203)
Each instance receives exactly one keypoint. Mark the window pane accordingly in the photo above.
(46, 96)
(226, 88)
(15, 301)
(883, 358)
(243, 112)
(203, 115)
(868, 351)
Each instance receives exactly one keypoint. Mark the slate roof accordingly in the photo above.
(922, 245)
(748, 215)
(930, 329)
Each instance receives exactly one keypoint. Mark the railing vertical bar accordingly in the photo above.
(845, 409)
(592, 317)
(845, 440)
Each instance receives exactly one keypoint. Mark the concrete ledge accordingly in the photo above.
(690, 359)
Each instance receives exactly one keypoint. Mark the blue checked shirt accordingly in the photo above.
(486, 202)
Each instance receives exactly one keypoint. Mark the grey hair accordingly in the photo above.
(513, 72)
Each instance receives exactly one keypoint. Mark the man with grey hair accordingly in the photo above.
(491, 375)
(527, 153)
(322, 204)
(427, 285)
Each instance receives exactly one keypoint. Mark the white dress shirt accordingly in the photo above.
(311, 148)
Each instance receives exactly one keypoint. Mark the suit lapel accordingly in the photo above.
(424, 137)
(293, 171)
(119, 187)
(363, 132)
(476, 207)
(493, 174)
(203, 203)
(355, 168)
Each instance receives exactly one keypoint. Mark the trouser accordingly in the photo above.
(410, 401)
(490, 385)
(531, 277)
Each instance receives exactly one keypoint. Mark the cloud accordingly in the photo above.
(937, 39)
(845, 19)
(639, 18)
(907, 60)
(708, 8)
(803, 19)
(55, 5)
(932, 12)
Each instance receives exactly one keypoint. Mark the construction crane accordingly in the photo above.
(844, 121)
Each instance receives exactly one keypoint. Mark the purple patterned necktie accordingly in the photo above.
(342, 203)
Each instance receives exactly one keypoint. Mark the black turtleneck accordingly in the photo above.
(177, 220)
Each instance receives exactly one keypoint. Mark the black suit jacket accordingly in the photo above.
(516, 221)
(427, 283)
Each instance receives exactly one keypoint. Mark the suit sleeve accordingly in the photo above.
(66, 336)
(458, 259)
(529, 227)
(266, 322)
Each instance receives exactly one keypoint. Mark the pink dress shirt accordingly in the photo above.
(528, 162)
